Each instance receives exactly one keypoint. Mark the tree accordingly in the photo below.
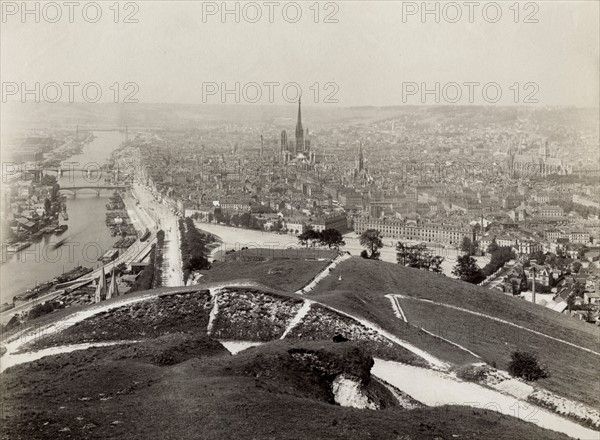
(331, 238)
(120, 268)
(54, 192)
(436, 264)
(578, 289)
(499, 258)
(371, 239)
(516, 286)
(467, 270)
(277, 225)
(219, 217)
(418, 256)
(493, 247)
(307, 236)
(48, 180)
(210, 217)
(402, 253)
(570, 302)
(539, 257)
(47, 206)
(466, 245)
(526, 366)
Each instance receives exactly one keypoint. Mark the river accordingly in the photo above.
(87, 237)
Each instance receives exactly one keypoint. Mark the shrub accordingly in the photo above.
(472, 373)
(526, 365)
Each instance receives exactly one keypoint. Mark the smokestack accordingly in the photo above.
(533, 287)
(261, 145)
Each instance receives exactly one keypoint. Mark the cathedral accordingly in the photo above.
(520, 164)
(298, 152)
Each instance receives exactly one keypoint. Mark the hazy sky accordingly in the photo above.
(369, 53)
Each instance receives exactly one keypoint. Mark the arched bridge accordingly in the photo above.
(124, 129)
(96, 189)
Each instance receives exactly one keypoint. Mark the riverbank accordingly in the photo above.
(85, 239)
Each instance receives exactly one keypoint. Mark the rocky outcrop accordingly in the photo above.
(249, 314)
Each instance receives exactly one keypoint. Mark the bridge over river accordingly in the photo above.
(96, 188)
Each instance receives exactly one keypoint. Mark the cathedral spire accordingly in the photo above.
(361, 159)
(299, 131)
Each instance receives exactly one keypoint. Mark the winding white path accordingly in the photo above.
(434, 388)
(323, 274)
(10, 360)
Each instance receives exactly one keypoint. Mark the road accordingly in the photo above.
(166, 220)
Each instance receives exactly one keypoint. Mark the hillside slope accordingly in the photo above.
(471, 317)
(262, 393)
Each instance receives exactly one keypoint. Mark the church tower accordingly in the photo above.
(299, 131)
(361, 160)
(261, 146)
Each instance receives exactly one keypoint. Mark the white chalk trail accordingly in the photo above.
(503, 321)
(505, 383)
(16, 342)
(324, 273)
(298, 318)
(400, 314)
(434, 388)
(214, 311)
(397, 309)
(10, 360)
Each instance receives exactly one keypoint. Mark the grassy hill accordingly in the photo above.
(179, 381)
(365, 283)
(266, 392)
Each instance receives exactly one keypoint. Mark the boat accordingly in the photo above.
(65, 216)
(18, 246)
(109, 255)
(59, 243)
(145, 235)
(61, 229)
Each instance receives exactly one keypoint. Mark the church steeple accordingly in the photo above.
(361, 160)
(299, 130)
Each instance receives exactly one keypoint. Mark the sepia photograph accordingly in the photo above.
(289, 220)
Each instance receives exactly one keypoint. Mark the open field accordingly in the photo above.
(287, 270)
